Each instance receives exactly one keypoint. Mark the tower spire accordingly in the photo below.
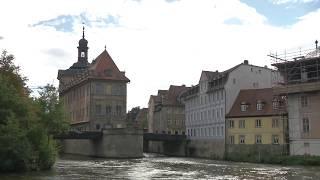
(82, 32)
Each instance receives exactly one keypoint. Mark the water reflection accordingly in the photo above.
(159, 167)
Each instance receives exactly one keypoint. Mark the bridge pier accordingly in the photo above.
(114, 143)
(171, 145)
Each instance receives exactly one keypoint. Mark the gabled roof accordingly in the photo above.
(250, 97)
(105, 68)
(208, 75)
(173, 93)
(102, 68)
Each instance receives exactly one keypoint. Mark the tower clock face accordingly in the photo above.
(82, 54)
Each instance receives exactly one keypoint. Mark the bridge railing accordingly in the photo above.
(80, 135)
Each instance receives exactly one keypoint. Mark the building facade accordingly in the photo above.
(167, 116)
(302, 88)
(94, 94)
(255, 120)
(142, 119)
(207, 103)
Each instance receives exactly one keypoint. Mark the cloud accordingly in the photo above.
(1, 37)
(156, 42)
(65, 23)
(61, 23)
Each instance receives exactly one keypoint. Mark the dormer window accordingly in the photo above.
(108, 72)
(244, 106)
(259, 105)
(275, 103)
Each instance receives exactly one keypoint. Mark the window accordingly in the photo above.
(275, 139)
(275, 123)
(234, 80)
(82, 54)
(242, 139)
(305, 124)
(99, 88)
(275, 104)
(118, 110)
(222, 131)
(108, 110)
(231, 139)
(98, 109)
(97, 126)
(231, 123)
(108, 72)
(244, 106)
(258, 123)
(242, 124)
(258, 139)
(304, 101)
(259, 105)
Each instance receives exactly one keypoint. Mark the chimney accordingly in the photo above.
(246, 62)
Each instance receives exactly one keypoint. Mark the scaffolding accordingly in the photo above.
(300, 70)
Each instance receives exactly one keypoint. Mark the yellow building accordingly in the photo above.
(258, 121)
(256, 130)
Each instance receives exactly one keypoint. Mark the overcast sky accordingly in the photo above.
(157, 42)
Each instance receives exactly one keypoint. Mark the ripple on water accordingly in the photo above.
(166, 168)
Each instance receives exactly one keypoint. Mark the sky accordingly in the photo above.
(157, 43)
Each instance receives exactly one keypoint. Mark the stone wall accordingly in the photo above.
(115, 143)
(255, 152)
(212, 149)
(169, 148)
(206, 148)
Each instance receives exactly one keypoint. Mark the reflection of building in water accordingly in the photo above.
(95, 94)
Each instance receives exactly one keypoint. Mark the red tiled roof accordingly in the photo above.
(105, 68)
(251, 97)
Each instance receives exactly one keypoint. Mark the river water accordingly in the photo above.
(160, 167)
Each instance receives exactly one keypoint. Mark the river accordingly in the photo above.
(161, 167)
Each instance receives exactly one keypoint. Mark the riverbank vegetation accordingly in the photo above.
(27, 124)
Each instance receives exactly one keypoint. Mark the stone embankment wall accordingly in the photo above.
(115, 143)
(169, 148)
(255, 152)
(212, 149)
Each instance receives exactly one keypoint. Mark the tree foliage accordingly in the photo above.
(27, 124)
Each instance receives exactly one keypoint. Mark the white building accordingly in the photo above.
(207, 103)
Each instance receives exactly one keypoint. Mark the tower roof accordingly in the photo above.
(105, 68)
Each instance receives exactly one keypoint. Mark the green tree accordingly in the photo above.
(51, 112)
(27, 124)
